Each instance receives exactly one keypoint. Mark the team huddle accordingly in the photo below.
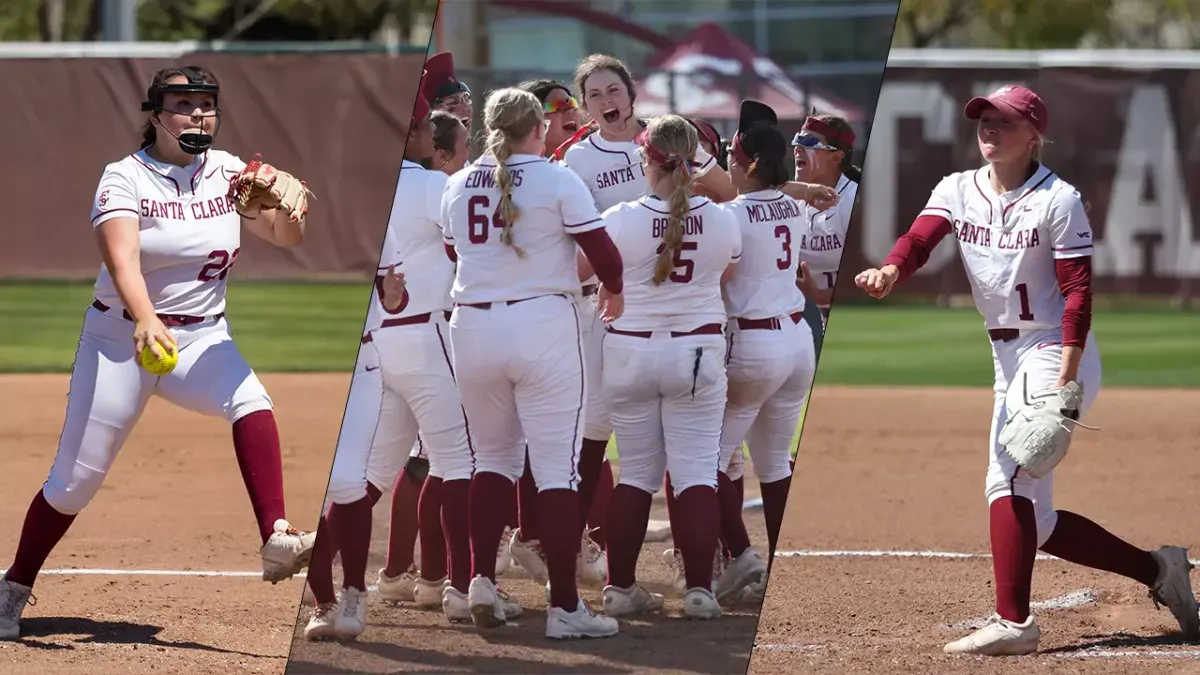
(636, 278)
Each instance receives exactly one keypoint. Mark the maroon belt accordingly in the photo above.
(169, 320)
(767, 324)
(411, 320)
(706, 329)
(1003, 334)
(488, 305)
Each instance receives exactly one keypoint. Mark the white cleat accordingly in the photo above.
(582, 623)
(636, 599)
(528, 554)
(754, 594)
(455, 605)
(489, 606)
(744, 570)
(13, 599)
(504, 558)
(674, 562)
(322, 625)
(287, 552)
(999, 638)
(428, 594)
(351, 618)
(592, 564)
(700, 603)
(400, 588)
(1173, 588)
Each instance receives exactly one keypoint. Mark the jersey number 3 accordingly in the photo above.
(784, 232)
(684, 267)
(219, 264)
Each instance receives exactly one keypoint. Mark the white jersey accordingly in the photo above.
(189, 233)
(413, 244)
(772, 227)
(1009, 242)
(691, 296)
(612, 170)
(822, 247)
(553, 204)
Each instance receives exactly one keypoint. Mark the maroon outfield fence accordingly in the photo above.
(1124, 129)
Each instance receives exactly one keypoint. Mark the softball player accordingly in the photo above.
(823, 152)
(513, 222)
(450, 151)
(443, 90)
(771, 353)
(664, 374)
(1026, 244)
(169, 235)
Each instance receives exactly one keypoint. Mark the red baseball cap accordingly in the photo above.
(1013, 101)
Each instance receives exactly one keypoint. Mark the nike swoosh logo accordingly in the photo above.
(1047, 344)
(377, 367)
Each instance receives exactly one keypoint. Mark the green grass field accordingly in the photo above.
(315, 328)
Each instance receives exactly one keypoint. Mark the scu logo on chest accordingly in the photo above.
(820, 242)
(198, 210)
(970, 233)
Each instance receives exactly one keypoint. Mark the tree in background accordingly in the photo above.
(251, 20)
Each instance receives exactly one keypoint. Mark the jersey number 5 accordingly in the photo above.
(219, 264)
(688, 266)
(478, 222)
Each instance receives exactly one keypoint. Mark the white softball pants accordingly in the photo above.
(109, 390)
(1030, 365)
(770, 374)
(667, 396)
(597, 416)
(521, 374)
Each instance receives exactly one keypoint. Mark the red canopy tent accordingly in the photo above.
(712, 71)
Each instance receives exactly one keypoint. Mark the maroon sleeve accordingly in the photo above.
(604, 257)
(1075, 281)
(913, 248)
(450, 252)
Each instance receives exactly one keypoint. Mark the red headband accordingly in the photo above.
(656, 156)
(739, 152)
(844, 139)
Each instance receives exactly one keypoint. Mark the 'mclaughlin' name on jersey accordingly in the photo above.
(691, 295)
(772, 227)
(413, 243)
(190, 233)
(553, 205)
(1009, 242)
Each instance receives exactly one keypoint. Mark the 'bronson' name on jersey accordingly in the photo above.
(190, 233)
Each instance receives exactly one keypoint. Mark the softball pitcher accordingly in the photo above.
(169, 232)
(1026, 244)
(514, 222)
(664, 373)
(771, 353)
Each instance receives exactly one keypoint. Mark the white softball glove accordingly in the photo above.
(1038, 430)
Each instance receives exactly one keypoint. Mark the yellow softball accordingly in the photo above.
(159, 366)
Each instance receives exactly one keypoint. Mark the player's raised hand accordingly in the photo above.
(806, 282)
(610, 305)
(820, 197)
(393, 288)
(152, 333)
(878, 282)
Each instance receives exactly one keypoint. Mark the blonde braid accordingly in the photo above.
(677, 138)
(509, 114)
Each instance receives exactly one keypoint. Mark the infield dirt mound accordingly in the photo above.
(902, 470)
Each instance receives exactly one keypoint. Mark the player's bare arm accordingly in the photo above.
(807, 283)
(820, 197)
(716, 185)
(585, 268)
(119, 246)
(276, 228)
(392, 290)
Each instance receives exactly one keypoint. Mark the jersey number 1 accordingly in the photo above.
(219, 264)
(1026, 313)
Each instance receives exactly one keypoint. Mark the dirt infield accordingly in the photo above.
(174, 502)
(401, 638)
(872, 482)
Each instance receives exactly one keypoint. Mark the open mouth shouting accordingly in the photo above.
(571, 126)
(612, 115)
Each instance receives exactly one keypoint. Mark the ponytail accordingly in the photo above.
(673, 234)
(497, 146)
(148, 135)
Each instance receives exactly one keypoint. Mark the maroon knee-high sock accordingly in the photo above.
(628, 516)
(559, 519)
(527, 504)
(456, 496)
(44, 527)
(598, 515)
(374, 494)
(320, 568)
(402, 529)
(699, 520)
(740, 486)
(433, 539)
(733, 527)
(774, 496)
(591, 457)
(1081, 541)
(351, 524)
(256, 444)
(672, 510)
(487, 521)
(1014, 547)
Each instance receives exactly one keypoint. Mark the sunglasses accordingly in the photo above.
(811, 143)
(561, 105)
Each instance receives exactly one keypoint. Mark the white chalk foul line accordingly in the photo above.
(1070, 600)
(951, 555)
(1100, 653)
(153, 573)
